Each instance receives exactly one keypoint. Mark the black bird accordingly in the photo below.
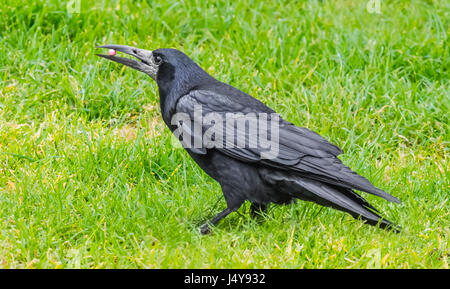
(305, 166)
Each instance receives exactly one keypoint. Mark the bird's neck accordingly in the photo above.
(171, 89)
(168, 104)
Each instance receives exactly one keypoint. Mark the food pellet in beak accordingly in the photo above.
(112, 52)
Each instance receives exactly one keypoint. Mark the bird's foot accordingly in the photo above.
(205, 229)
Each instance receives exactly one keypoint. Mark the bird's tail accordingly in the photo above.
(339, 198)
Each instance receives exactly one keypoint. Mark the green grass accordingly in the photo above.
(90, 177)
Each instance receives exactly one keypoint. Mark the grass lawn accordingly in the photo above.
(90, 177)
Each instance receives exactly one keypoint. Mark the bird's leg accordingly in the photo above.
(256, 210)
(205, 229)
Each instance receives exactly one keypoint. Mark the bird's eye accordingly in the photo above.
(158, 60)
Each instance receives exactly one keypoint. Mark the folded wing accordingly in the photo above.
(299, 150)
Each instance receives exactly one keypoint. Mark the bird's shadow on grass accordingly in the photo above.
(303, 214)
(241, 220)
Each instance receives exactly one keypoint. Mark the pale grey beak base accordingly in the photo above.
(146, 63)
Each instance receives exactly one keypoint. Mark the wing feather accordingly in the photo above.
(299, 150)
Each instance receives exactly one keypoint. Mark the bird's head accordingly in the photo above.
(170, 68)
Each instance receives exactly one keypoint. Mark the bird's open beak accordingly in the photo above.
(146, 63)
